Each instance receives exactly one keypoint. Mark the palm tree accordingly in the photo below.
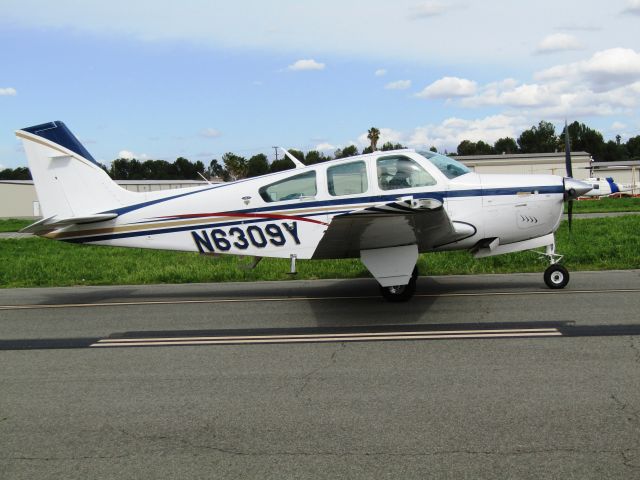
(373, 134)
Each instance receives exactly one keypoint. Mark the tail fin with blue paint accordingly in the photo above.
(69, 183)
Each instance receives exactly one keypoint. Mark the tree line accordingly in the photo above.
(229, 167)
(541, 138)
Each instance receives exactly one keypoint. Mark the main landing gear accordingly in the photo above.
(401, 293)
(555, 276)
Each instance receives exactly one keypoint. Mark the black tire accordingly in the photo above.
(401, 293)
(556, 276)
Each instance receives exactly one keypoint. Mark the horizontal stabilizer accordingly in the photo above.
(52, 223)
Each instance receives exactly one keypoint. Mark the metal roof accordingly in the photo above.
(522, 159)
(627, 163)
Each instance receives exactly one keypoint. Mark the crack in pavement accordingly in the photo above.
(632, 415)
(635, 348)
(626, 461)
(306, 378)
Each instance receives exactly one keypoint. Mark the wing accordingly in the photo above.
(407, 221)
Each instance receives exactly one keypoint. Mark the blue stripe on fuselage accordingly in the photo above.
(545, 189)
(441, 195)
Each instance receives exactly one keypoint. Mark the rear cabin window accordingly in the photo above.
(402, 172)
(292, 188)
(347, 179)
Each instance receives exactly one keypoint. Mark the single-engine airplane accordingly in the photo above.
(383, 207)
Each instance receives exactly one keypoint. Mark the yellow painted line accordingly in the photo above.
(327, 339)
(298, 299)
(327, 335)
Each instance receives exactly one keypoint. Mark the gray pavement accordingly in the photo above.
(473, 408)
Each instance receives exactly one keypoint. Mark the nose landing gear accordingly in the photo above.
(555, 276)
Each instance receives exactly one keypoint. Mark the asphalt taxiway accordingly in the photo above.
(489, 376)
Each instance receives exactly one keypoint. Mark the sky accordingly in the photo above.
(148, 79)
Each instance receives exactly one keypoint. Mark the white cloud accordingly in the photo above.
(128, 155)
(451, 131)
(617, 126)
(558, 42)
(380, 72)
(386, 135)
(448, 87)
(306, 64)
(608, 83)
(381, 31)
(324, 147)
(8, 92)
(398, 85)
(210, 133)
(427, 9)
(511, 94)
(633, 7)
(604, 70)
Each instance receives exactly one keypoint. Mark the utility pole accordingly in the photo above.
(276, 149)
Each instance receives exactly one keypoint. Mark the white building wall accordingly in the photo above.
(18, 197)
(18, 200)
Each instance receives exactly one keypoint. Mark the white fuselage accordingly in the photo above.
(240, 218)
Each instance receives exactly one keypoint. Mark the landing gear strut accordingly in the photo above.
(401, 293)
(555, 276)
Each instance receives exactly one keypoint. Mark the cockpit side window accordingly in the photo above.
(347, 179)
(298, 186)
(398, 172)
(448, 166)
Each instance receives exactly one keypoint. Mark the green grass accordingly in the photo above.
(14, 224)
(606, 204)
(596, 244)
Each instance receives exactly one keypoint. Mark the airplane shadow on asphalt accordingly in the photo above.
(353, 302)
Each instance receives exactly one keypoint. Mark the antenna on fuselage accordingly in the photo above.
(296, 162)
(204, 178)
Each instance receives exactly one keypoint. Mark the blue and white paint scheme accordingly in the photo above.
(384, 208)
(603, 187)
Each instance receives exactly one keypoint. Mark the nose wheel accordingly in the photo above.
(556, 276)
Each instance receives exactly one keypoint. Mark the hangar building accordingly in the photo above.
(18, 197)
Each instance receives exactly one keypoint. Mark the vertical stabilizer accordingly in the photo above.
(68, 180)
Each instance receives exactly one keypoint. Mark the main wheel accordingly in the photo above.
(401, 293)
(556, 276)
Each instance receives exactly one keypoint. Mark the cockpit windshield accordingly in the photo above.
(447, 165)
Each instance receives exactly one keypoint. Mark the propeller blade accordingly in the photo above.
(567, 150)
